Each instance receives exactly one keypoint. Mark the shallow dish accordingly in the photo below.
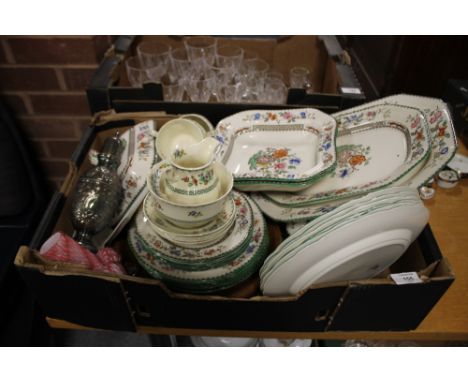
(176, 134)
(377, 146)
(187, 216)
(277, 149)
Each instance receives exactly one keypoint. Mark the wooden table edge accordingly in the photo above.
(362, 335)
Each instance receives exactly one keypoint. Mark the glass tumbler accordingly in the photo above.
(200, 89)
(229, 93)
(201, 47)
(173, 91)
(229, 56)
(275, 91)
(182, 67)
(154, 54)
(136, 73)
(299, 78)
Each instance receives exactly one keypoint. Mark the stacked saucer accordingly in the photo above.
(357, 240)
(231, 260)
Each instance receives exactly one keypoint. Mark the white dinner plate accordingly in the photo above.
(346, 214)
(359, 250)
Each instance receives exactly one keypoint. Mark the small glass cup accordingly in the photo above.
(173, 91)
(136, 73)
(201, 47)
(201, 89)
(154, 54)
(181, 63)
(273, 74)
(229, 56)
(155, 73)
(275, 91)
(299, 78)
(223, 76)
(228, 93)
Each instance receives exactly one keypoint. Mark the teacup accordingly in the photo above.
(177, 134)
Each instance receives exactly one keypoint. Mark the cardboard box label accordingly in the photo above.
(406, 278)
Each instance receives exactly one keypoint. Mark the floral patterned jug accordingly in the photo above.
(192, 180)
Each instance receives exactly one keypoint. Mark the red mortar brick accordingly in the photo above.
(78, 79)
(51, 128)
(50, 50)
(55, 168)
(28, 79)
(15, 103)
(61, 149)
(60, 104)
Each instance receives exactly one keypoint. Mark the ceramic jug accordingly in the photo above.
(191, 179)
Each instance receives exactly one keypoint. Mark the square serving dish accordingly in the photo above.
(280, 150)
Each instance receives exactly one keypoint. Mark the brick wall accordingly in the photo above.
(43, 81)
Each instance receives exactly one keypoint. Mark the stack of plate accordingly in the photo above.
(357, 240)
(398, 140)
(283, 150)
(235, 256)
(199, 237)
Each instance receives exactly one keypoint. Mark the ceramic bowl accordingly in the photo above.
(177, 133)
(202, 121)
(192, 238)
(189, 216)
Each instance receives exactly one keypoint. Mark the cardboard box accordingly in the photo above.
(335, 84)
(137, 302)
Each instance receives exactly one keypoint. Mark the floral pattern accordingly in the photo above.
(273, 162)
(350, 158)
(194, 213)
(236, 237)
(141, 157)
(280, 116)
(305, 119)
(419, 143)
(440, 132)
(179, 153)
(356, 119)
(246, 260)
(201, 178)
